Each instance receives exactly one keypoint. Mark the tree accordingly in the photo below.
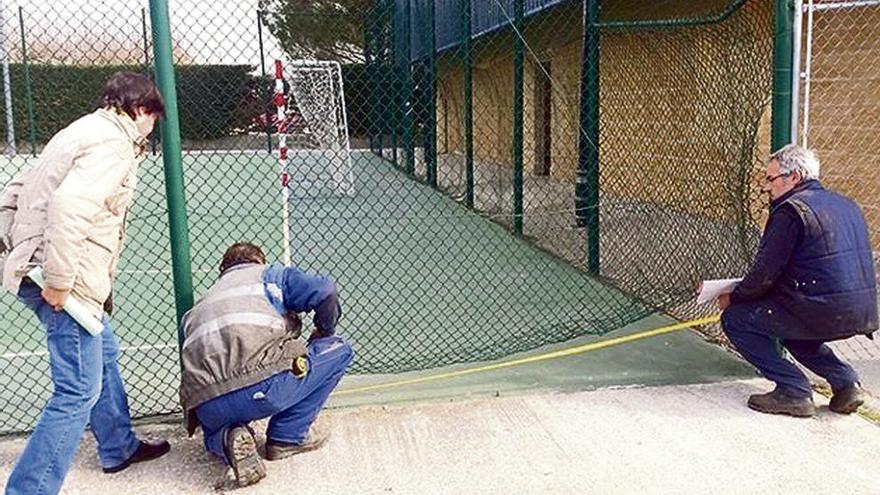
(319, 29)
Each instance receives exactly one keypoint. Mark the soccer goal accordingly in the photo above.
(314, 119)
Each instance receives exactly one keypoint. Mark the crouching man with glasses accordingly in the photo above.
(812, 281)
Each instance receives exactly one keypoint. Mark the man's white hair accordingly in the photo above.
(794, 158)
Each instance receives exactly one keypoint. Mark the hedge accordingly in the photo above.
(214, 100)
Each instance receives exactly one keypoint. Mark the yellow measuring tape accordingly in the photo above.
(534, 359)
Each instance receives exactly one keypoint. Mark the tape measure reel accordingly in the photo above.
(300, 366)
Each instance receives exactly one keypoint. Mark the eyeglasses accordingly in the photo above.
(768, 180)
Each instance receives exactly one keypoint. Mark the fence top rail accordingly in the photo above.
(674, 23)
(841, 5)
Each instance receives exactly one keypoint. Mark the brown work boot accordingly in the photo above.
(276, 450)
(241, 450)
(847, 400)
(778, 402)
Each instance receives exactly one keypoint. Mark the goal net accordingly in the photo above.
(317, 122)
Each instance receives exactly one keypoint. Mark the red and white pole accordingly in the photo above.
(281, 114)
(281, 117)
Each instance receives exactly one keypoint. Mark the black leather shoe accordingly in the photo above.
(778, 402)
(145, 452)
(847, 400)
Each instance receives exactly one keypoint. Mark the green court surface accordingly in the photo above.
(677, 358)
(424, 281)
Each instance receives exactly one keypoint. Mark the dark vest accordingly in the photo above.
(829, 284)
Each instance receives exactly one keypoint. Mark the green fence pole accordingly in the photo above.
(782, 74)
(780, 127)
(263, 81)
(468, 103)
(171, 157)
(431, 124)
(587, 180)
(518, 62)
(29, 96)
(408, 108)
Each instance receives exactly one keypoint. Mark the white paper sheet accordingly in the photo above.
(714, 288)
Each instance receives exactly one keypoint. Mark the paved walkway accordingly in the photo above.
(658, 440)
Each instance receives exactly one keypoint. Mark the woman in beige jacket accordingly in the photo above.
(67, 215)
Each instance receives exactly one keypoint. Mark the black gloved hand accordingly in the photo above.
(293, 323)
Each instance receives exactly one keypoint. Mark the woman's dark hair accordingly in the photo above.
(241, 252)
(127, 91)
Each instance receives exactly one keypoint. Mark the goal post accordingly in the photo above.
(316, 121)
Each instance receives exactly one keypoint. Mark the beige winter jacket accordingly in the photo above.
(67, 213)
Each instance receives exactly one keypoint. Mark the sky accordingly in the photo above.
(69, 31)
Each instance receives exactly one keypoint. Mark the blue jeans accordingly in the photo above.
(742, 325)
(292, 403)
(87, 390)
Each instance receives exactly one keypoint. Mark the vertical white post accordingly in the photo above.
(7, 86)
(798, 31)
(807, 75)
(348, 187)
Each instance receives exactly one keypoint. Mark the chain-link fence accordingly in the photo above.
(480, 176)
(840, 111)
(57, 56)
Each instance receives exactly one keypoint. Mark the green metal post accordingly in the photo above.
(781, 109)
(467, 56)
(431, 124)
(518, 62)
(263, 80)
(782, 74)
(29, 96)
(171, 156)
(408, 108)
(587, 179)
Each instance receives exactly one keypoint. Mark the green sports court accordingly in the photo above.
(410, 263)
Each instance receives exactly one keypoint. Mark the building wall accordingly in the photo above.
(677, 105)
